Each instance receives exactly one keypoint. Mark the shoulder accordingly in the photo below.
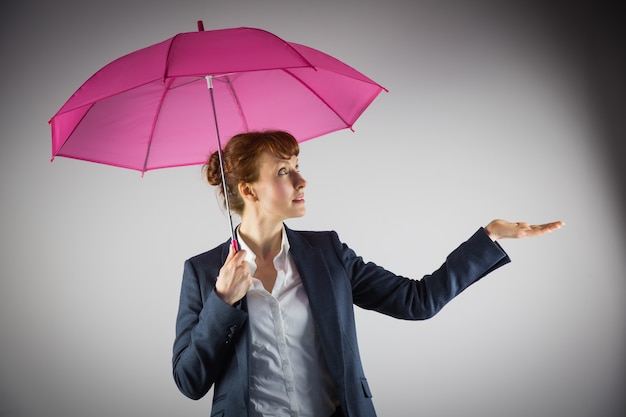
(320, 239)
(216, 255)
(312, 236)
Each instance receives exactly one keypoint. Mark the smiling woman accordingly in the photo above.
(271, 327)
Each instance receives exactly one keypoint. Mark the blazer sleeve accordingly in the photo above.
(375, 288)
(206, 328)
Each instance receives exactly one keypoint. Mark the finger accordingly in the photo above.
(231, 253)
(552, 226)
(555, 225)
(545, 228)
(239, 257)
(233, 262)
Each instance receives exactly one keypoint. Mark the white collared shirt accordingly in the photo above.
(289, 375)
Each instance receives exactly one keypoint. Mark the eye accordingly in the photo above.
(283, 171)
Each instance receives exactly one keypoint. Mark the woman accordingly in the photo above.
(271, 326)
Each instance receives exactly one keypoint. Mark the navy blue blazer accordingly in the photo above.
(211, 344)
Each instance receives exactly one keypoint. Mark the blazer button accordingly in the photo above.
(231, 333)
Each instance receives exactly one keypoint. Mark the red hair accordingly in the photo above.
(242, 156)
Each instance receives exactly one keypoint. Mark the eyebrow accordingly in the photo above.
(277, 159)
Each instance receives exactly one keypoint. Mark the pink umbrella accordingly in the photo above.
(170, 104)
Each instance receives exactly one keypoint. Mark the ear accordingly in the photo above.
(247, 191)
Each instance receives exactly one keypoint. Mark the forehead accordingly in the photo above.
(268, 158)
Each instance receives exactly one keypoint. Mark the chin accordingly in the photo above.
(300, 213)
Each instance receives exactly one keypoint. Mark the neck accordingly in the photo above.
(263, 240)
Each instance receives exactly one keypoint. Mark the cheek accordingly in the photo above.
(282, 191)
(275, 193)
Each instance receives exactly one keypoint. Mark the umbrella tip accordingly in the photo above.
(200, 26)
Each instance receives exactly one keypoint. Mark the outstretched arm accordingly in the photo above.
(500, 229)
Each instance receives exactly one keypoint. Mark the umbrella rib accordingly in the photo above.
(168, 57)
(72, 132)
(318, 96)
(291, 48)
(154, 123)
(105, 97)
(234, 94)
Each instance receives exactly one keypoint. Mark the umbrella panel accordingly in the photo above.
(103, 136)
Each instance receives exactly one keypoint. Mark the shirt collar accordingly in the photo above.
(280, 259)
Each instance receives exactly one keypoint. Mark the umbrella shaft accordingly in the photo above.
(222, 170)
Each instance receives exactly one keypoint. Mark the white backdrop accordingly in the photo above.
(489, 115)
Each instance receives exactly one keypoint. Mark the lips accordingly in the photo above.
(299, 199)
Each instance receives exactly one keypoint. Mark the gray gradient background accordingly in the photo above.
(511, 111)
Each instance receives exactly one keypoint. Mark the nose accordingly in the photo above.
(298, 181)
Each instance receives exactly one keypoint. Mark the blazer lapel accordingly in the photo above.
(316, 278)
(242, 350)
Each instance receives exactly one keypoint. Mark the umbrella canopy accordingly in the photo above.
(168, 104)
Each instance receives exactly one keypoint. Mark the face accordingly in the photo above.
(278, 194)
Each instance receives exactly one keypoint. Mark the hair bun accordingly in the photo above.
(212, 169)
